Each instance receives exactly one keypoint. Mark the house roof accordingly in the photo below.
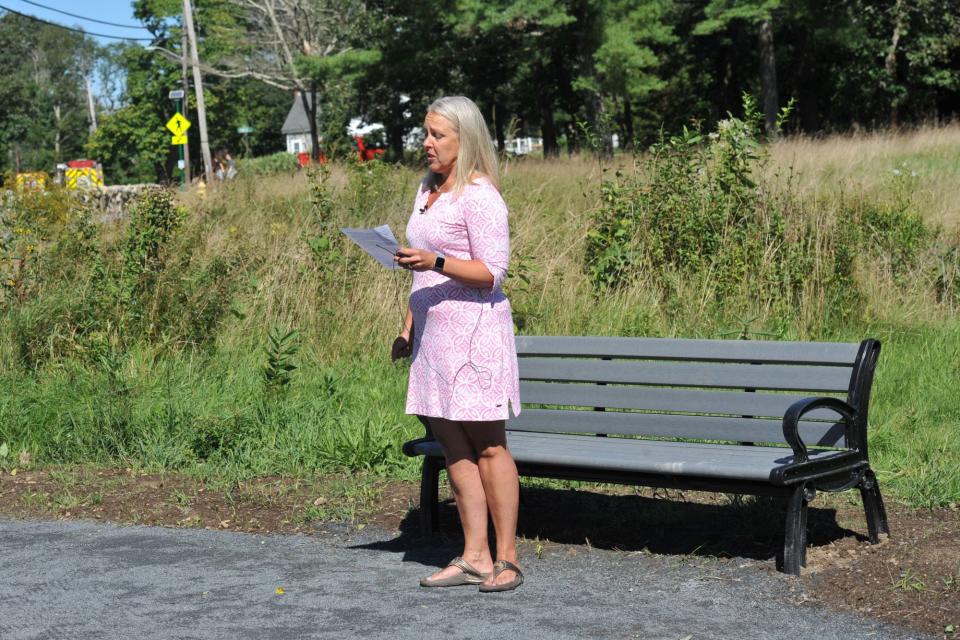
(297, 120)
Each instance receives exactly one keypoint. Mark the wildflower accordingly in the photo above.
(896, 172)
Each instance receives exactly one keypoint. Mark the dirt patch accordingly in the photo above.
(266, 505)
(910, 579)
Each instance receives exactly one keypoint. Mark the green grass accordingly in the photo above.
(167, 371)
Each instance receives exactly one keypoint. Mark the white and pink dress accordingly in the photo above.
(464, 363)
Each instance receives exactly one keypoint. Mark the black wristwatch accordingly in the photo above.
(438, 265)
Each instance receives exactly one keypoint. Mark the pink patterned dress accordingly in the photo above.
(464, 364)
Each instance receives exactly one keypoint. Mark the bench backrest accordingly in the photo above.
(726, 390)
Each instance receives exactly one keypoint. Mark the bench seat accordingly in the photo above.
(631, 455)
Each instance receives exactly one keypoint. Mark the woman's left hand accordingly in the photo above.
(415, 259)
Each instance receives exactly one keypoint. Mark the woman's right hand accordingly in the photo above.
(402, 346)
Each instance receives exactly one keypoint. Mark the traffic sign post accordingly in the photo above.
(245, 130)
(178, 125)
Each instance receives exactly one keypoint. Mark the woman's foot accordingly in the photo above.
(506, 576)
(459, 572)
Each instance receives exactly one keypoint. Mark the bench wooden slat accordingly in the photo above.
(763, 351)
(772, 405)
(681, 374)
(645, 456)
(671, 426)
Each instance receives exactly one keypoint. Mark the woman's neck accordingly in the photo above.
(443, 182)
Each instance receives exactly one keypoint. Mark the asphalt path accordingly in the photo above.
(80, 580)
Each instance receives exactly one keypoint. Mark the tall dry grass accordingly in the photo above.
(822, 166)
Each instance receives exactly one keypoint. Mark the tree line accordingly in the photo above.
(572, 72)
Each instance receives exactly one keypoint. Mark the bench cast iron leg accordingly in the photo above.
(795, 540)
(873, 506)
(429, 494)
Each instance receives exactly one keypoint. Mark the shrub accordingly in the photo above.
(273, 164)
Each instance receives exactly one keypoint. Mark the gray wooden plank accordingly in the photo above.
(738, 402)
(682, 374)
(650, 456)
(764, 351)
(671, 426)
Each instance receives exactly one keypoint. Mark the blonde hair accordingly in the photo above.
(477, 154)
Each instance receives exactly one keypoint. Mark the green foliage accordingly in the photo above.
(127, 289)
(692, 206)
(281, 348)
(130, 152)
(276, 163)
(42, 234)
(894, 231)
(325, 239)
(43, 120)
(695, 211)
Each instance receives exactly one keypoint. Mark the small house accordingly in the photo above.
(296, 127)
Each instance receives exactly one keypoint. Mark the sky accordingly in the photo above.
(118, 11)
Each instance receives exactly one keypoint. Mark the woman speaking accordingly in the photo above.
(458, 331)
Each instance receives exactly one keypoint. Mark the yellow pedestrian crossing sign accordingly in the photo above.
(178, 126)
(180, 139)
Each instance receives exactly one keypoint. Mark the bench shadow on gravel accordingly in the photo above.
(732, 527)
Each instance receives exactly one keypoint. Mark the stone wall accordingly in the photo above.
(113, 201)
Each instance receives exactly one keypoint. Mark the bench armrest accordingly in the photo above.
(428, 437)
(791, 421)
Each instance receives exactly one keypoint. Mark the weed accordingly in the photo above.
(909, 581)
(280, 350)
(35, 499)
(180, 499)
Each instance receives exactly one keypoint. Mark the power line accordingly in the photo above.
(76, 15)
(86, 33)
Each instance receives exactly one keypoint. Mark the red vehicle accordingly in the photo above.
(364, 153)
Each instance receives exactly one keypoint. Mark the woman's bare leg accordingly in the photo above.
(498, 473)
(468, 489)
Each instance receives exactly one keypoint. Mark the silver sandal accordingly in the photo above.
(468, 575)
(499, 567)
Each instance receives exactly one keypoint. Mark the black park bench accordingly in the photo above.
(734, 416)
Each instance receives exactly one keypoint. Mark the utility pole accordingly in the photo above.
(198, 88)
(90, 105)
(186, 103)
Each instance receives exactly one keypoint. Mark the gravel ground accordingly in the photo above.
(82, 580)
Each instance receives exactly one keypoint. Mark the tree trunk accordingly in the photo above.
(627, 123)
(571, 135)
(548, 128)
(603, 128)
(310, 107)
(395, 130)
(499, 115)
(808, 96)
(890, 63)
(726, 100)
(768, 78)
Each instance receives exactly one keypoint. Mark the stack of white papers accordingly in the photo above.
(378, 242)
